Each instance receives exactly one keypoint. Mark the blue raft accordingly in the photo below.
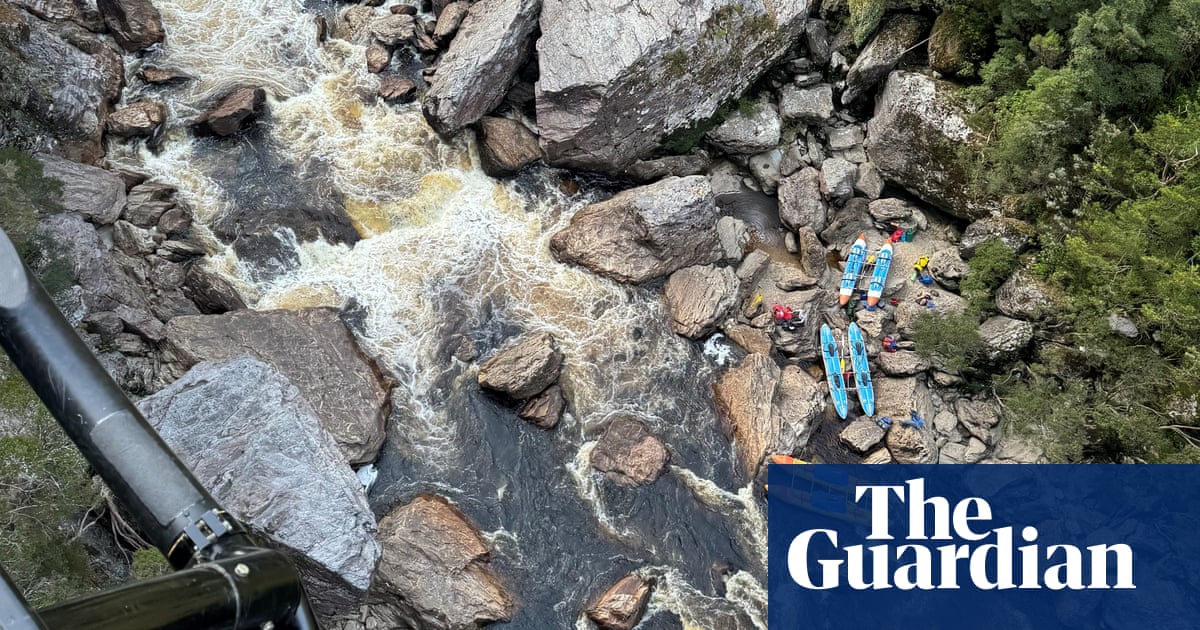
(862, 370)
(833, 371)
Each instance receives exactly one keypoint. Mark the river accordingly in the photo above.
(449, 253)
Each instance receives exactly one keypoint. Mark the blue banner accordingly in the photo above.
(983, 546)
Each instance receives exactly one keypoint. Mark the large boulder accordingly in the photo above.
(105, 285)
(618, 77)
(629, 452)
(862, 435)
(96, 194)
(475, 73)
(1017, 235)
(800, 200)
(135, 24)
(644, 233)
(1022, 297)
(232, 113)
(252, 439)
(882, 54)
(910, 445)
(948, 268)
(524, 368)
(142, 118)
(744, 396)
(1005, 336)
(505, 145)
(752, 132)
(699, 297)
(435, 572)
(622, 605)
(807, 105)
(916, 138)
(59, 85)
(799, 403)
(313, 348)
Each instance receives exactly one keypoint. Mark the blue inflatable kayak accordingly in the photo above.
(883, 260)
(833, 371)
(862, 370)
(854, 265)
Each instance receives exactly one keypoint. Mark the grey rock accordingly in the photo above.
(870, 181)
(799, 406)
(475, 73)
(752, 340)
(103, 323)
(140, 323)
(1122, 326)
(140, 119)
(806, 105)
(621, 607)
(616, 78)
(812, 252)
(1019, 450)
(754, 132)
(795, 157)
(902, 363)
(1005, 336)
(146, 203)
(135, 24)
(862, 435)
(178, 250)
(698, 298)
(378, 57)
(898, 397)
(885, 210)
(808, 79)
(678, 165)
(878, 456)
(800, 201)
(353, 23)
(629, 452)
(396, 90)
(844, 138)
(979, 417)
(524, 367)
(1022, 297)
(233, 112)
(915, 139)
(910, 445)
(790, 278)
(744, 397)
(450, 18)
(974, 451)
(545, 409)
(155, 75)
(952, 453)
(644, 233)
(312, 348)
(60, 82)
(882, 54)
(252, 439)
(945, 422)
(733, 236)
(948, 268)
(175, 222)
(105, 283)
(872, 323)
(435, 571)
(96, 194)
(751, 269)
(132, 240)
(505, 146)
(393, 29)
(765, 168)
(211, 293)
(837, 179)
(816, 38)
(1016, 234)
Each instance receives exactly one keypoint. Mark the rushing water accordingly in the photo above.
(450, 254)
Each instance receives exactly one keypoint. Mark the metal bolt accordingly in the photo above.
(241, 570)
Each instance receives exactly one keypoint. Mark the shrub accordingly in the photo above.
(991, 265)
(951, 340)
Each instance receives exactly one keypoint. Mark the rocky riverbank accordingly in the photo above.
(752, 143)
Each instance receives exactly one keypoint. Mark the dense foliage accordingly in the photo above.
(1092, 111)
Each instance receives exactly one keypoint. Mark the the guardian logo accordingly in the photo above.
(973, 555)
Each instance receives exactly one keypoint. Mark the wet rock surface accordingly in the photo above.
(629, 452)
(524, 368)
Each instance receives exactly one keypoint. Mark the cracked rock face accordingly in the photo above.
(617, 77)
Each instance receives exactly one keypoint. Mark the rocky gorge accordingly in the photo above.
(490, 250)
